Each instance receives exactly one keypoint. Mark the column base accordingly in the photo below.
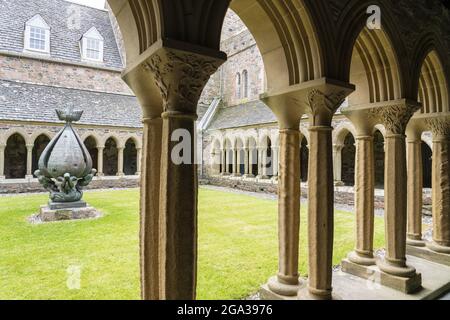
(339, 183)
(415, 241)
(307, 293)
(237, 175)
(2, 178)
(283, 289)
(263, 177)
(249, 176)
(224, 174)
(361, 259)
(428, 254)
(29, 177)
(434, 246)
(376, 275)
(398, 269)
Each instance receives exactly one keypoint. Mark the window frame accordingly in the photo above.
(92, 35)
(36, 22)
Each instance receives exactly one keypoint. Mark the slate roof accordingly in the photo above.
(30, 102)
(64, 39)
(248, 114)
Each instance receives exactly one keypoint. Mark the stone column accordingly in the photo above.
(235, 161)
(260, 163)
(275, 161)
(246, 162)
(120, 161)
(395, 118)
(138, 161)
(415, 189)
(180, 77)
(29, 161)
(149, 208)
(263, 163)
(100, 161)
(2, 161)
(337, 163)
(286, 283)
(364, 201)
(441, 184)
(322, 104)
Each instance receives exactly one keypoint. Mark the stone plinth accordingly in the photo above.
(428, 254)
(63, 212)
(373, 273)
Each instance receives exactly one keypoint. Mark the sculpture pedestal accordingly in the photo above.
(65, 211)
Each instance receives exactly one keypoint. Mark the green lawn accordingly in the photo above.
(237, 247)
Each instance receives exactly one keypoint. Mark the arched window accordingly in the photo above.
(238, 86)
(40, 144)
(91, 146)
(130, 158)
(245, 84)
(110, 157)
(15, 157)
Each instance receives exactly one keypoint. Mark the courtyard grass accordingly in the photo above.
(237, 247)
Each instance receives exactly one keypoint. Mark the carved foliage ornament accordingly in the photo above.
(395, 118)
(317, 100)
(439, 126)
(181, 77)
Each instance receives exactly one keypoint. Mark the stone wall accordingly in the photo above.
(61, 75)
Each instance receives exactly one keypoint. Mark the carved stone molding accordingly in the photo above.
(317, 100)
(181, 77)
(396, 117)
(439, 126)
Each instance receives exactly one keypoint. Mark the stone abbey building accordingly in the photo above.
(273, 93)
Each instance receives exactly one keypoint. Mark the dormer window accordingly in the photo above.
(92, 46)
(37, 35)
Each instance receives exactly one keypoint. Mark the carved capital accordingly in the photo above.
(181, 77)
(323, 106)
(439, 126)
(395, 117)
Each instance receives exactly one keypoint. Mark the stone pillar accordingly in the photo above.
(286, 283)
(395, 118)
(260, 163)
(264, 160)
(364, 201)
(138, 161)
(29, 161)
(100, 161)
(224, 162)
(235, 162)
(246, 162)
(337, 164)
(180, 77)
(2, 161)
(441, 185)
(414, 193)
(275, 161)
(149, 208)
(120, 161)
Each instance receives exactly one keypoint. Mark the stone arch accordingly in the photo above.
(15, 156)
(91, 144)
(381, 48)
(341, 133)
(27, 137)
(374, 69)
(111, 156)
(130, 157)
(348, 159)
(378, 149)
(304, 134)
(433, 91)
(40, 143)
(287, 40)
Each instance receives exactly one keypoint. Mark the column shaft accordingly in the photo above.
(30, 160)
(178, 210)
(287, 282)
(337, 153)
(120, 161)
(2, 162)
(139, 161)
(320, 211)
(364, 201)
(246, 161)
(276, 161)
(441, 194)
(414, 194)
(100, 161)
(149, 207)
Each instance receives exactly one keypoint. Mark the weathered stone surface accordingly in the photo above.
(48, 215)
(428, 254)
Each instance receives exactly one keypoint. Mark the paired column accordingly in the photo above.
(395, 118)
(247, 162)
(180, 77)
(275, 161)
(224, 162)
(441, 185)
(414, 194)
(2, 161)
(120, 161)
(100, 161)
(235, 161)
(139, 161)
(364, 201)
(29, 161)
